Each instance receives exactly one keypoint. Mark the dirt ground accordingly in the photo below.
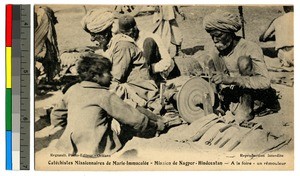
(196, 41)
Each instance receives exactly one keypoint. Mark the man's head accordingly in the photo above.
(95, 69)
(222, 26)
(98, 24)
(222, 40)
(127, 26)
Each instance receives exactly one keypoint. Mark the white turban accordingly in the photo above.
(96, 21)
(222, 21)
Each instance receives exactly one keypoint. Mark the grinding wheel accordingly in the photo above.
(189, 98)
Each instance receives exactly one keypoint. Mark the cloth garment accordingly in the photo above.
(222, 21)
(167, 12)
(240, 101)
(127, 59)
(87, 110)
(45, 30)
(130, 71)
(254, 85)
(283, 29)
(155, 53)
(228, 64)
(97, 20)
(45, 42)
(167, 27)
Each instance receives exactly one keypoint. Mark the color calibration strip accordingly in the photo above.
(8, 96)
(17, 86)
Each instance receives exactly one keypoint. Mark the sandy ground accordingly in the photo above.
(196, 41)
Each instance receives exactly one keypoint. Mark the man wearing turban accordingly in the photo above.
(99, 24)
(130, 70)
(239, 69)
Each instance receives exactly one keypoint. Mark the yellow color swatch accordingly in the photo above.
(8, 66)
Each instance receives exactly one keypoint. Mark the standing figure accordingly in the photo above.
(46, 51)
(167, 27)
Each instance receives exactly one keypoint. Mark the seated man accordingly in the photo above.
(282, 29)
(92, 112)
(154, 51)
(239, 68)
(130, 70)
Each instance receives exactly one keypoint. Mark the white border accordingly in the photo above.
(210, 2)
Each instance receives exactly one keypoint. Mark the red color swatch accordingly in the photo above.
(8, 25)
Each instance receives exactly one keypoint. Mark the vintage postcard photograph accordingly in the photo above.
(163, 87)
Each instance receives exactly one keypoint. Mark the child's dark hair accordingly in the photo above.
(90, 66)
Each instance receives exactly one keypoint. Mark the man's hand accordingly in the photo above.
(222, 79)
